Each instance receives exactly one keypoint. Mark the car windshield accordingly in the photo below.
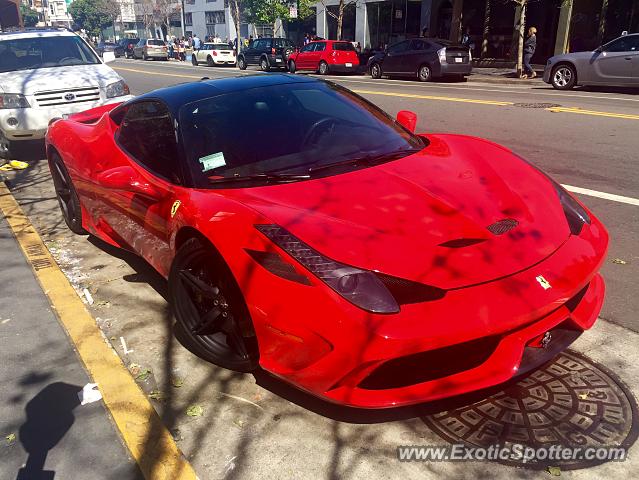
(44, 52)
(344, 46)
(287, 129)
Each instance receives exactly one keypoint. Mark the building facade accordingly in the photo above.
(563, 25)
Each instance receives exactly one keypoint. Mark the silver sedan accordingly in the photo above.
(614, 64)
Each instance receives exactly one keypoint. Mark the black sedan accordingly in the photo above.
(109, 47)
(125, 47)
(422, 58)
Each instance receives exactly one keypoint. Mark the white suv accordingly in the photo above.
(45, 74)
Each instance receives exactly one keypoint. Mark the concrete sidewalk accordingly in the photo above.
(46, 433)
(506, 76)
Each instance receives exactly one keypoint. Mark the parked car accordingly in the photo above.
(126, 46)
(151, 48)
(422, 58)
(614, 64)
(214, 54)
(268, 53)
(106, 47)
(47, 73)
(304, 231)
(325, 56)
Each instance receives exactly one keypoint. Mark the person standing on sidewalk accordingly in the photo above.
(529, 50)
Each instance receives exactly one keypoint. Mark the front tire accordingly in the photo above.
(292, 68)
(323, 68)
(66, 194)
(210, 311)
(424, 73)
(209, 61)
(241, 63)
(194, 60)
(563, 77)
(264, 66)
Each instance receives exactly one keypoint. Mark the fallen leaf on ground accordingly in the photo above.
(239, 423)
(11, 438)
(177, 382)
(134, 368)
(143, 375)
(156, 395)
(195, 411)
(554, 471)
(619, 261)
(583, 396)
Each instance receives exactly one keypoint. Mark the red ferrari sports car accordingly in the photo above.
(305, 232)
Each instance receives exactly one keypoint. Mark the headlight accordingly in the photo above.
(13, 100)
(441, 53)
(575, 213)
(117, 89)
(360, 287)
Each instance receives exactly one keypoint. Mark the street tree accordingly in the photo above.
(90, 15)
(342, 6)
(164, 10)
(269, 11)
(29, 16)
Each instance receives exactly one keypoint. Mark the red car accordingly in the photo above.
(325, 56)
(305, 232)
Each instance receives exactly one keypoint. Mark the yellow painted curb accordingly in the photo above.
(140, 427)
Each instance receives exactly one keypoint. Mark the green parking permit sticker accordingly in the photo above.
(212, 161)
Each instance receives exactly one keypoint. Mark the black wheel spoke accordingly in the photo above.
(235, 341)
(209, 323)
(198, 285)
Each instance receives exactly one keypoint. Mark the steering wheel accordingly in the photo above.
(323, 122)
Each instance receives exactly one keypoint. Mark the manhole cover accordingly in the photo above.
(536, 105)
(571, 403)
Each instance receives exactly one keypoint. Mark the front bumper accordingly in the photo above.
(335, 350)
(32, 122)
(547, 72)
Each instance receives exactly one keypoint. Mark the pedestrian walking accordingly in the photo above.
(197, 43)
(529, 50)
(182, 50)
(170, 46)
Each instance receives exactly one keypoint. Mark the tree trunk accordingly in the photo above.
(235, 13)
(340, 19)
(455, 25)
(520, 46)
(486, 33)
(602, 22)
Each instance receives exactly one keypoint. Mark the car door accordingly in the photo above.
(138, 49)
(135, 182)
(414, 57)
(613, 65)
(202, 54)
(303, 58)
(316, 55)
(395, 56)
(249, 53)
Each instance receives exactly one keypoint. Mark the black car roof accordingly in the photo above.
(176, 96)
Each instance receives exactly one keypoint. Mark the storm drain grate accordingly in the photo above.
(572, 402)
(536, 105)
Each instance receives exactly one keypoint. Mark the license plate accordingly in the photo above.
(278, 59)
(349, 64)
(459, 59)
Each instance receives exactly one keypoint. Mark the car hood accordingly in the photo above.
(29, 82)
(425, 217)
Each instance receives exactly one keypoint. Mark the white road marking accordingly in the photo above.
(606, 196)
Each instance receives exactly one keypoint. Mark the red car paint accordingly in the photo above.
(401, 218)
(312, 54)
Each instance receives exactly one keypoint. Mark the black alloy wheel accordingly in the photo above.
(210, 310)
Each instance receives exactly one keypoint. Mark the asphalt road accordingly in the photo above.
(596, 150)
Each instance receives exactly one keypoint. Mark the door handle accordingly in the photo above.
(627, 58)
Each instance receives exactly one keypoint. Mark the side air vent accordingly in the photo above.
(461, 242)
(502, 226)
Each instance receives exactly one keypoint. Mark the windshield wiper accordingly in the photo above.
(268, 177)
(366, 160)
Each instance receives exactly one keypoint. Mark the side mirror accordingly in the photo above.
(108, 57)
(126, 179)
(407, 119)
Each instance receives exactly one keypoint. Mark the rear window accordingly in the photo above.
(220, 46)
(159, 43)
(344, 46)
